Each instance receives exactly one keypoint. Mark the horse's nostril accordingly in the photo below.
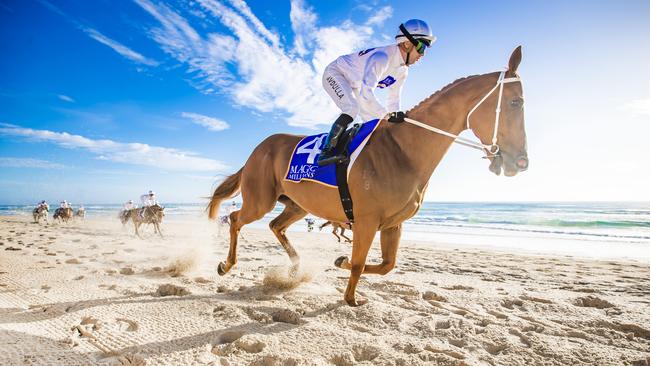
(522, 163)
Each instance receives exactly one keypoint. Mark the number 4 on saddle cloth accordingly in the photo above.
(303, 164)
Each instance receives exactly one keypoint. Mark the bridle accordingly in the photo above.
(492, 149)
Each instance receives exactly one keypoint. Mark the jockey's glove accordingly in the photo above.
(396, 117)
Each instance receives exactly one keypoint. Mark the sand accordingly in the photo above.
(91, 293)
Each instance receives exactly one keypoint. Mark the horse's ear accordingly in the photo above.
(515, 59)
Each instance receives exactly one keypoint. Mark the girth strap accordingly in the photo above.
(342, 173)
(344, 190)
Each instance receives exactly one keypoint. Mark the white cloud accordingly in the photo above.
(205, 58)
(119, 48)
(28, 163)
(96, 35)
(303, 24)
(252, 66)
(66, 98)
(638, 107)
(380, 16)
(211, 123)
(121, 152)
(257, 24)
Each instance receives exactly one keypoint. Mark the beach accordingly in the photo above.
(91, 293)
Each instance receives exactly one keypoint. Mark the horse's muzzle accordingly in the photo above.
(510, 166)
(522, 163)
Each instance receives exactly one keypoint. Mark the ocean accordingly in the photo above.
(594, 229)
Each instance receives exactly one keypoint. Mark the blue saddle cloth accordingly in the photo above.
(303, 164)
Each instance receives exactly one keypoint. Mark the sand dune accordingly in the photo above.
(91, 293)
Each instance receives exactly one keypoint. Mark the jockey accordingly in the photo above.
(225, 219)
(148, 200)
(43, 204)
(64, 204)
(350, 81)
(232, 208)
(128, 205)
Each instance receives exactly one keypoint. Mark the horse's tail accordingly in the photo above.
(227, 189)
(325, 224)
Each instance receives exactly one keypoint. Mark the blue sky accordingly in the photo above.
(101, 101)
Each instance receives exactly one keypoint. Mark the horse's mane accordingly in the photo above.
(442, 91)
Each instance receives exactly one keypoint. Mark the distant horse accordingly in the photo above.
(40, 213)
(80, 213)
(152, 215)
(63, 214)
(125, 215)
(336, 226)
(390, 176)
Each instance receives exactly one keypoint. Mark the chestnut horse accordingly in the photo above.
(63, 214)
(336, 226)
(389, 177)
(152, 215)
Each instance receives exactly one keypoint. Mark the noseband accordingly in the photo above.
(494, 148)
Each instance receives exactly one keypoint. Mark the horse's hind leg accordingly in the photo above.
(137, 226)
(291, 213)
(334, 230)
(253, 208)
(343, 235)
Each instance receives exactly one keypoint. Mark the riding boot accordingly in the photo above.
(326, 156)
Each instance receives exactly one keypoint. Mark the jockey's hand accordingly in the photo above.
(396, 117)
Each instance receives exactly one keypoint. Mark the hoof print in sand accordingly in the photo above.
(133, 325)
(365, 353)
(250, 344)
(592, 302)
(344, 359)
(172, 290)
(127, 271)
(286, 316)
(235, 341)
(129, 359)
(430, 295)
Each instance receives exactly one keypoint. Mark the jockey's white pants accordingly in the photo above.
(339, 89)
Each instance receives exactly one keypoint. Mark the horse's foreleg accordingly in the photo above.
(136, 224)
(363, 236)
(389, 244)
(157, 225)
(279, 225)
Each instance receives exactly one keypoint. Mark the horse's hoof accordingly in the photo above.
(339, 261)
(293, 270)
(221, 269)
(355, 303)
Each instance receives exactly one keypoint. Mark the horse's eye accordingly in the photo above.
(517, 102)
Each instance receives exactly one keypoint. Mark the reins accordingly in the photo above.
(493, 149)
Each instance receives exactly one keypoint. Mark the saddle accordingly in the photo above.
(302, 164)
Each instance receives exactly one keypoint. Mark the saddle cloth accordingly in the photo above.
(303, 164)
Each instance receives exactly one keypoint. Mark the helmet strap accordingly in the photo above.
(408, 35)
